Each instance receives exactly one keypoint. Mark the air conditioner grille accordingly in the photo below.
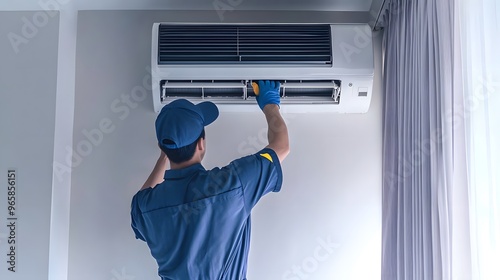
(244, 44)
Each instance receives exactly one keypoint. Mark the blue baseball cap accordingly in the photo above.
(181, 122)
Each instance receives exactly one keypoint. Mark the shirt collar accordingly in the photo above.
(183, 172)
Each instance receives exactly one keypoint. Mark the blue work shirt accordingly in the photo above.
(197, 222)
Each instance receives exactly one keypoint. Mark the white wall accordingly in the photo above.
(336, 170)
(332, 185)
(28, 75)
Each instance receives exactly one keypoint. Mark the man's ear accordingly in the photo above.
(201, 144)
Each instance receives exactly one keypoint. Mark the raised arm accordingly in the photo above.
(156, 176)
(277, 133)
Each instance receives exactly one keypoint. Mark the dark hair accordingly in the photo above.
(182, 154)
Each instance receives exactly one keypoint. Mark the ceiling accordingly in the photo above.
(302, 5)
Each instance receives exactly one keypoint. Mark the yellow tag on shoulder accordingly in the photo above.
(267, 156)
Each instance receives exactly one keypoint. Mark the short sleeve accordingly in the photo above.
(259, 174)
(136, 216)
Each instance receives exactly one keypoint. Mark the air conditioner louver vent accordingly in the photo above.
(323, 91)
(244, 44)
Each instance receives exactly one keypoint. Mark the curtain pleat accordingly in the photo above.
(417, 162)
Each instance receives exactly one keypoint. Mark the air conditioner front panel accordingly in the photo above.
(227, 84)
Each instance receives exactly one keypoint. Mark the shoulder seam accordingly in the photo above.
(242, 190)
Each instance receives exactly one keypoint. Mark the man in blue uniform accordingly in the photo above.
(196, 222)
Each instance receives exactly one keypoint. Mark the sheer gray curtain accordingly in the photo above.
(418, 139)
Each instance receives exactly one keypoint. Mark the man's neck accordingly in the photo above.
(185, 164)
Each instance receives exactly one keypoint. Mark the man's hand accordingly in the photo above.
(268, 93)
(156, 176)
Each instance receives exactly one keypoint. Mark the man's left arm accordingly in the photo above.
(156, 176)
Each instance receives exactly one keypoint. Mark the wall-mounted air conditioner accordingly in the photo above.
(322, 67)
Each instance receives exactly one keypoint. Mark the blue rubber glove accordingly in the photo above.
(268, 93)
